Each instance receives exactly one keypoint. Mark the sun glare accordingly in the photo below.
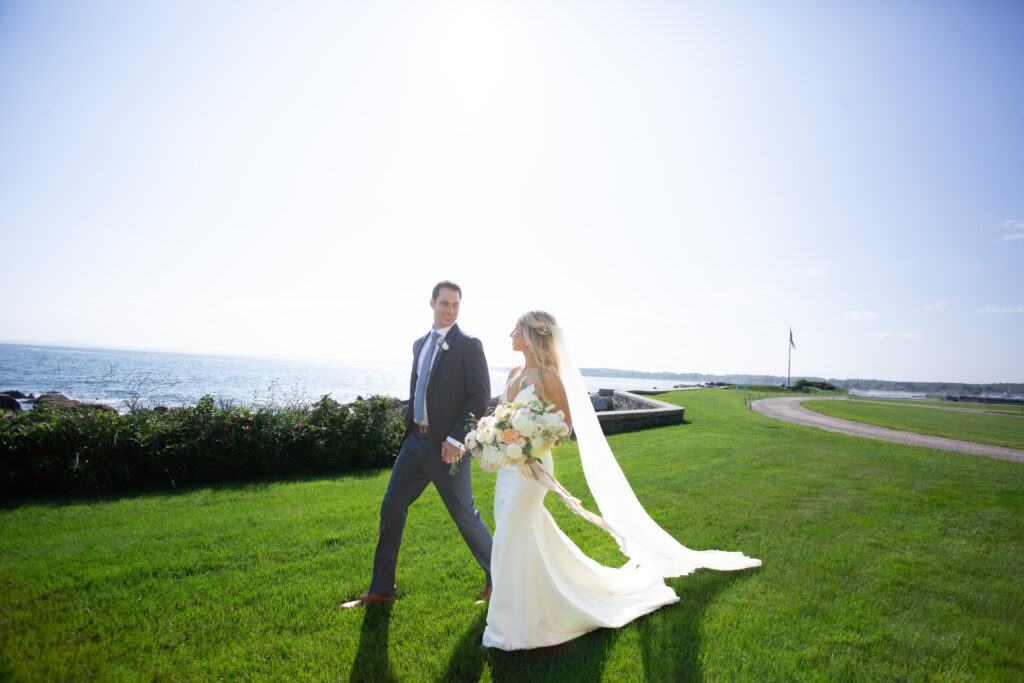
(473, 61)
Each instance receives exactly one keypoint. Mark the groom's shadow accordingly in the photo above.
(371, 662)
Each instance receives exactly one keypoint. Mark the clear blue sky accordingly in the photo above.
(678, 182)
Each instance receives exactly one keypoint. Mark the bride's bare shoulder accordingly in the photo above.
(550, 375)
(550, 382)
(515, 373)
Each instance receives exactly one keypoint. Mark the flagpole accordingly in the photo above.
(789, 359)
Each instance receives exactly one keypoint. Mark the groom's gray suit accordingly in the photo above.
(459, 387)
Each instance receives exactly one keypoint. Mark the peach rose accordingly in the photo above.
(509, 435)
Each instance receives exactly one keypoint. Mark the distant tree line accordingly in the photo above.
(861, 384)
(824, 386)
(931, 387)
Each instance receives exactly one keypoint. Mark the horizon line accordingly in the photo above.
(647, 374)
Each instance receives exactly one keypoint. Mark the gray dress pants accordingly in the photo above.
(418, 464)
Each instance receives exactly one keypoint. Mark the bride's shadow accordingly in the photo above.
(670, 645)
(467, 660)
(371, 662)
(580, 659)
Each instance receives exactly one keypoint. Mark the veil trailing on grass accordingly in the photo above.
(640, 538)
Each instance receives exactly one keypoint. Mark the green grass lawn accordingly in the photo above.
(945, 404)
(881, 562)
(1000, 430)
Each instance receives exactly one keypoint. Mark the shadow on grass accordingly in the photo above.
(371, 662)
(581, 659)
(670, 644)
(255, 484)
(467, 660)
(6, 671)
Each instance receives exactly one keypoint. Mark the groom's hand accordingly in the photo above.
(450, 452)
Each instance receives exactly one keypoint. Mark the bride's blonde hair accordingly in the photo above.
(536, 327)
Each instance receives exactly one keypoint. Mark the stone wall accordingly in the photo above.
(634, 412)
(631, 412)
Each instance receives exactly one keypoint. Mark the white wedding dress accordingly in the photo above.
(546, 591)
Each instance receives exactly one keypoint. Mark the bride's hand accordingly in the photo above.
(524, 468)
(450, 453)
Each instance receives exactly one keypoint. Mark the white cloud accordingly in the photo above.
(817, 272)
(937, 306)
(1001, 309)
(1016, 226)
(898, 335)
(861, 315)
(737, 295)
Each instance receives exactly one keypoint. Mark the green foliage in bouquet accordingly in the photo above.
(511, 434)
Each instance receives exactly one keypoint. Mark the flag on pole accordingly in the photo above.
(791, 344)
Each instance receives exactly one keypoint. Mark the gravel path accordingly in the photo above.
(789, 409)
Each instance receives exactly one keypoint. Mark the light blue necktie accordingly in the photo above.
(419, 401)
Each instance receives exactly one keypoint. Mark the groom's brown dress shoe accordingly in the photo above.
(367, 599)
(484, 596)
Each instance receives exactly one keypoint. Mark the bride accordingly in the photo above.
(546, 590)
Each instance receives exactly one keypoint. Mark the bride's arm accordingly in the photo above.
(553, 391)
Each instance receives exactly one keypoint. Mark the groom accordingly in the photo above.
(449, 383)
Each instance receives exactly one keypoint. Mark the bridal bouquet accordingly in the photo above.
(512, 434)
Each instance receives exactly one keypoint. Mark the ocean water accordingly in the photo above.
(887, 394)
(151, 378)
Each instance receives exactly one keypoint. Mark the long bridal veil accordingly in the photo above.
(640, 538)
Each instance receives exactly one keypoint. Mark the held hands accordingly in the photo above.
(450, 453)
(547, 446)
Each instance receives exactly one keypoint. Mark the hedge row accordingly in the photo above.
(49, 451)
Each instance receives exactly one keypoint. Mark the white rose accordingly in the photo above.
(523, 424)
(563, 429)
(514, 452)
(492, 460)
(471, 440)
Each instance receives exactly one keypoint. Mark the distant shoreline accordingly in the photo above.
(993, 389)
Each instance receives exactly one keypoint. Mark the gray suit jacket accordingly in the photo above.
(459, 388)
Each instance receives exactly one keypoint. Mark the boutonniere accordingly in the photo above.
(444, 345)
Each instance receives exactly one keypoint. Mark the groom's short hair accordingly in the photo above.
(447, 284)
